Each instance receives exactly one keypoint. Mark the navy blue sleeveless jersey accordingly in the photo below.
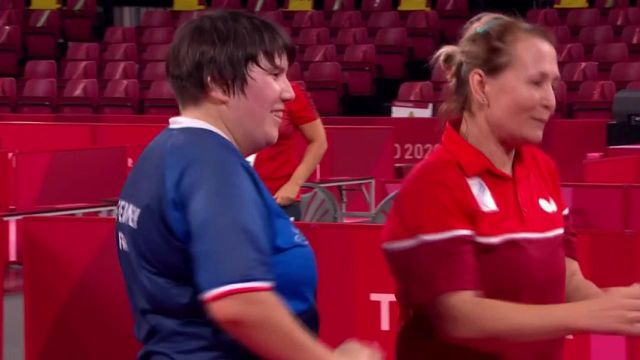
(195, 224)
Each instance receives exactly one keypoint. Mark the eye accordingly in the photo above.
(537, 83)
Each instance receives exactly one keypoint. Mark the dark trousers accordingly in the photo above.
(293, 210)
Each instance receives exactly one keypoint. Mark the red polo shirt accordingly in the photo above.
(277, 163)
(459, 223)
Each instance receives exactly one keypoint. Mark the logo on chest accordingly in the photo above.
(481, 193)
(548, 205)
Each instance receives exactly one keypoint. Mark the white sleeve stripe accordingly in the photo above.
(232, 288)
(405, 244)
(419, 239)
(565, 212)
(519, 236)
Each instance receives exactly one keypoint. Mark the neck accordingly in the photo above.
(477, 133)
(211, 115)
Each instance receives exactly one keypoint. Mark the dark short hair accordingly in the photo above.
(220, 46)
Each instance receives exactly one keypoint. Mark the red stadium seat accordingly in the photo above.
(119, 70)
(156, 19)
(39, 96)
(42, 33)
(308, 37)
(350, 36)
(160, 99)
(560, 91)
(345, 20)
(324, 84)
(590, 36)
(83, 52)
(359, 68)
(545, 17)
(8, 93)
(258, 5)
(186, 16)
(41, 69)
(153, 71)
(572, 52)
(382, 20)
(152, 36)
(275, 16)
(453, 15)
(121, 96)
(155, 53)
(576, 72)
(226, 4)
(634, 85)
(119, 35)
(78, 70)
(609, 4)
(78, 19)
(631, 36)
(579, 18)
(594, 100)
(10, 50)
(12, 4)
(608, 54)
(439, 78)
(318, 53)
(11, 18)
(424, 23)
(80, 96)
(121, 52)
(392, 47)
(331, 6)
(618, 18)
(295, 72)
(418, 94)
(562, 34)
(307, 19)
(625, 72)
(370, 7)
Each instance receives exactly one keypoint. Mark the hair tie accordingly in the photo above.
(487, 26)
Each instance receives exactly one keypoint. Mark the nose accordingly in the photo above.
(286, 93)
(549, 100)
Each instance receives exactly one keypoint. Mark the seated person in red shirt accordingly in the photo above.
(280, 166)
(476, 238)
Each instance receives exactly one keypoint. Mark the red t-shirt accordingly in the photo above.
(459, 223)
(277, 163)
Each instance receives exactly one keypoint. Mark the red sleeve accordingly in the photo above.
(429, 240)
(301, 110)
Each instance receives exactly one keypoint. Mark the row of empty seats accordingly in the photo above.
(83, 96)
(593, 99)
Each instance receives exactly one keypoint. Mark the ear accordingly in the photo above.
(217, 94)
(477, 86)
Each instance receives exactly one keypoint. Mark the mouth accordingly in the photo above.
(542, 120)
(277, 114)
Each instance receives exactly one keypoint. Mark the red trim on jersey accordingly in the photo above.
(233, 289)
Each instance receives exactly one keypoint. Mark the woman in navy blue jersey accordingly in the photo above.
(214, 269)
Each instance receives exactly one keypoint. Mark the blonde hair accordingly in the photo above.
(485, 45)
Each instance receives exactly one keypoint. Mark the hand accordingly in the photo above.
(617, 311)
(356, 350)
(287, 194)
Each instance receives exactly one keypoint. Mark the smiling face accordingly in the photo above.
(521, 97)
(255, 116)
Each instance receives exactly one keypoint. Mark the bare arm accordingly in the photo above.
(466, 317)
(577, 287)
(261, 322)
(316, 146)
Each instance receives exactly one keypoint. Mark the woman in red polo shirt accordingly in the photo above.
(476, 238)
(280, 166)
